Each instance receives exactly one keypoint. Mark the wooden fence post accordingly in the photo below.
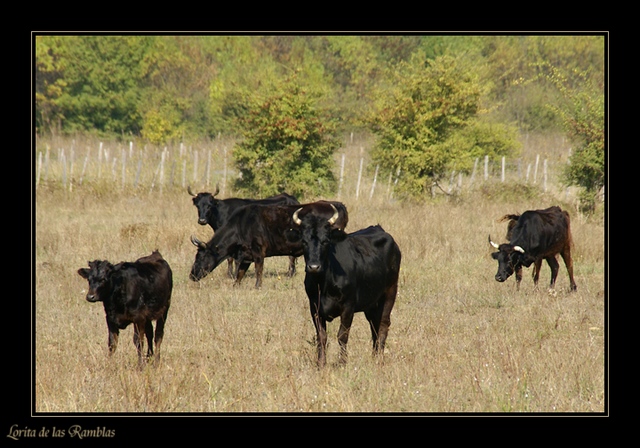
(373, 186)
(473, 173)
(486, 168)
(123, 155)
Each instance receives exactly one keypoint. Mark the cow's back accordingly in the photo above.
(367, 261)
(540, 231)
(148, 282)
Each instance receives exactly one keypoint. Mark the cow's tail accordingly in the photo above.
(569, 237)
(513, 220)
(513, 217)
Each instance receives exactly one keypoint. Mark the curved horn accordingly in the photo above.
(334, 218)
(295, 218)
(492, 243)
(518, 249)
(196, 242)
(217, 190)
(189, 190)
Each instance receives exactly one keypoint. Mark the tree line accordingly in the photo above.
(434, 102)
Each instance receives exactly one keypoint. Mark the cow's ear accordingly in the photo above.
(495, 255)
(338, 235)
(292, 235)
(84, 272)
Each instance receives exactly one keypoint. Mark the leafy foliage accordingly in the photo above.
(583, 115)
(431, 123)
(287, 144)
(438, 101)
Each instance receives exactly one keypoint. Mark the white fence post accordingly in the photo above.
(373, 186)
(486, 168)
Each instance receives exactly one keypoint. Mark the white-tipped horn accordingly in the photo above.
(334, 218)
(295, 218)
(518, 249)
(196, 242)
(492, 243)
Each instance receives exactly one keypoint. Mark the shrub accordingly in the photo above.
(287, 145)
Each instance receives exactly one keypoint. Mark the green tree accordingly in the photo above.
(175, 99)
(49, 69)
(431, 123)
(583, 119)
(287, 144)
(103, 76)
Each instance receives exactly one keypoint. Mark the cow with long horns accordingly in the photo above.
(534, 236)
(253, 233)
(216, 213)
(346, 274)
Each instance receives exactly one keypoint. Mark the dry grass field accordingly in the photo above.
(459, 341)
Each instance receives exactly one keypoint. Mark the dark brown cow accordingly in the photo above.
(216, 213)
(138, 293)
(255, 232)
(534, 236)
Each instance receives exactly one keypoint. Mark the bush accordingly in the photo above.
(431, 124)
(287, 145)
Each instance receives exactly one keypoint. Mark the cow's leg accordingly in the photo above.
(148, 330)
(321, 339)
(138, 341)
(242, 269)
(230, 269)
(555, 266)
(566, 256)
(259, 264)
(343, 334)
(380, 319)
(318, 321)
(113, 337)
(160, 332)
(518, 277)
(536, 272)
(385, 321)
(292, 267)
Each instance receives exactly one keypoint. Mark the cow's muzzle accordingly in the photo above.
(92, 297)
(202, 221)
(313, 268)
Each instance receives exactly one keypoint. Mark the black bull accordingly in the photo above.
(255, 232)
(345, 274)
(534, 236)
(216, 213)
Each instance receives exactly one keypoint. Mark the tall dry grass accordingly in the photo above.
(459, 341)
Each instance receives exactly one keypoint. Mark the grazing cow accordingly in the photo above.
(345, 274)
(253, 233)
(534, 236)
(138, 293)
(216, 213)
